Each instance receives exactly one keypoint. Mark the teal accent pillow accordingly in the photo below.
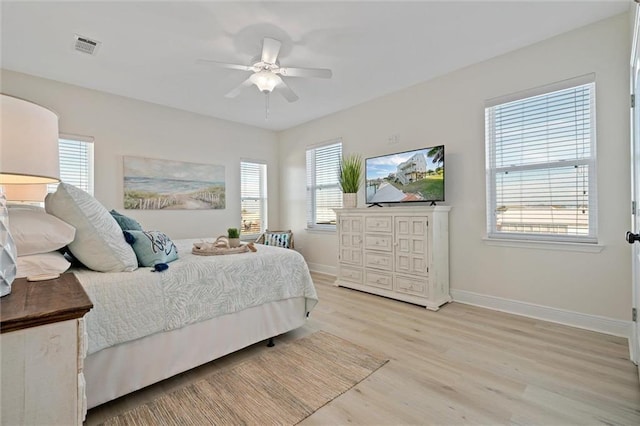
(126, 223)
(151, 247)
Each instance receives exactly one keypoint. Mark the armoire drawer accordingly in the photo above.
(411, 285)
(378, 224)
(350, 274)
(378, 242)
(379, 260)
(378, 279)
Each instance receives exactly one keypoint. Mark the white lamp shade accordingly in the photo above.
(35, 192)
(265, 80)
(28, 142)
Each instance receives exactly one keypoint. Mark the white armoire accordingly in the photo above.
(399, 252)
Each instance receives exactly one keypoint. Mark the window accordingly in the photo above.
(76, 162)
(253, 198)
(323, 190)
(541, 164)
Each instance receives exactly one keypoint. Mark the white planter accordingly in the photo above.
(349, 200)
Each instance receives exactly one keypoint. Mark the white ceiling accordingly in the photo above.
(149, 49)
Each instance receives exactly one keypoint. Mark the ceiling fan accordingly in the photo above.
(267, 72)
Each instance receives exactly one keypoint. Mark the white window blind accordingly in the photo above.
(541, 166)
(323, 190)
(76, 163)
(253, 198)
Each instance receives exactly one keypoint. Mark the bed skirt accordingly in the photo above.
(127, 367)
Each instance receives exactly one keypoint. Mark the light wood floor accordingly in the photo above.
(460, 365)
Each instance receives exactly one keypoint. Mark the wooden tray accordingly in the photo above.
(208, 249)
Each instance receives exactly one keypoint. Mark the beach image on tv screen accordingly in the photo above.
(407, 176)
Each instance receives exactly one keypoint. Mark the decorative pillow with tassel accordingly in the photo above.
(151, 247)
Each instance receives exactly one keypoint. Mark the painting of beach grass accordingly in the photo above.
(172, 185)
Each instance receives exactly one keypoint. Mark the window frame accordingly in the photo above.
(89, 143)
(590, 163)
(312, 187)
(263, 197)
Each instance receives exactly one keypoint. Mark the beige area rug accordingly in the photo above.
(282, 385)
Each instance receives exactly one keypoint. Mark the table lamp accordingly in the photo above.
(28, 155)
(26, 194)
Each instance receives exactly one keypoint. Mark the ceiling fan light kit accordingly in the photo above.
(265, 80)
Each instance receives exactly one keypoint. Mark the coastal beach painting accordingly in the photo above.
(172, 185)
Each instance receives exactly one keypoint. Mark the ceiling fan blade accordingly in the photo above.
(235, 92)
(306, 72)
(270, 50)
(226, 65)
(286, 91)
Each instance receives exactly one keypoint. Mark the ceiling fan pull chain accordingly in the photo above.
(266, 106)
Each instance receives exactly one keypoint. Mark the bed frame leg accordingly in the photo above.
(270, 344)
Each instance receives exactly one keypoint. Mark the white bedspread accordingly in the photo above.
(130, 305)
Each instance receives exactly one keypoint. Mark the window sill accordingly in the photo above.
(321, 230)
(545, 245)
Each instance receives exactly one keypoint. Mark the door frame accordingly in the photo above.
(634, 341)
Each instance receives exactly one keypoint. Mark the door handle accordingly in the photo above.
(631, 237)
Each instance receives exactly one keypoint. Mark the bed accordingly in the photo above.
(147, 326)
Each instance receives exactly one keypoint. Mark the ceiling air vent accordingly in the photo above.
(86, 45)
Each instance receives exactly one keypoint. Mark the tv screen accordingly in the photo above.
(406, 176)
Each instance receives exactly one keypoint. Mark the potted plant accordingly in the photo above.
(234, 237)
(349, 177)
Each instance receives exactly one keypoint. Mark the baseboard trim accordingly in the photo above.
(597, 323)
(323, 269)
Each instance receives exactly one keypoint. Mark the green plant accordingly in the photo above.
(233, 233)
(350, 173)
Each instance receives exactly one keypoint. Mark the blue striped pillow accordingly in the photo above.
(277, 239)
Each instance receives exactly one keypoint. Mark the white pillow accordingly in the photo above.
(41, 264)
(35, 231)
(99, 243)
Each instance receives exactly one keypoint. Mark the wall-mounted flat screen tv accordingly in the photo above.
(406, 176)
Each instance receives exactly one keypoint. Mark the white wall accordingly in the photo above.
(126, 127)
(450, 110)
